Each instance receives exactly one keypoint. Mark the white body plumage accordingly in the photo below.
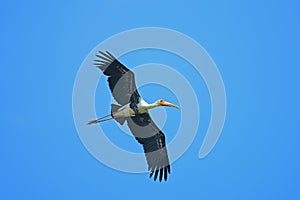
(126, 111)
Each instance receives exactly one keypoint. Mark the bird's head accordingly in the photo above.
(162, 102)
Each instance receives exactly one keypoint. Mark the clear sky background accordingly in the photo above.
(255, 45)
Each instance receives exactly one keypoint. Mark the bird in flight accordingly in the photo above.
(134, 110)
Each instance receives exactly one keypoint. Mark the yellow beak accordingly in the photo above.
(170, 105)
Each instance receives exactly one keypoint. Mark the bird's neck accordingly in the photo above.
(153, 105)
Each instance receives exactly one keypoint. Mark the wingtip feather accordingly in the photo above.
(156, 174)
(160, 174)
(165, 174)
(112, 57)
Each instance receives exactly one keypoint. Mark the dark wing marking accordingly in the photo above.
(134, 101)
(120, 78)
(154, 144)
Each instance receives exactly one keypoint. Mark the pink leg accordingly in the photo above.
(101, 119)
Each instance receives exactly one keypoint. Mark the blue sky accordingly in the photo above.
(255, 46)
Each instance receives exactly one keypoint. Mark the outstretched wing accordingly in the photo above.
(121, 79)
(153, 140)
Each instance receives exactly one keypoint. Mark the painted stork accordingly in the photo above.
(134, 110)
